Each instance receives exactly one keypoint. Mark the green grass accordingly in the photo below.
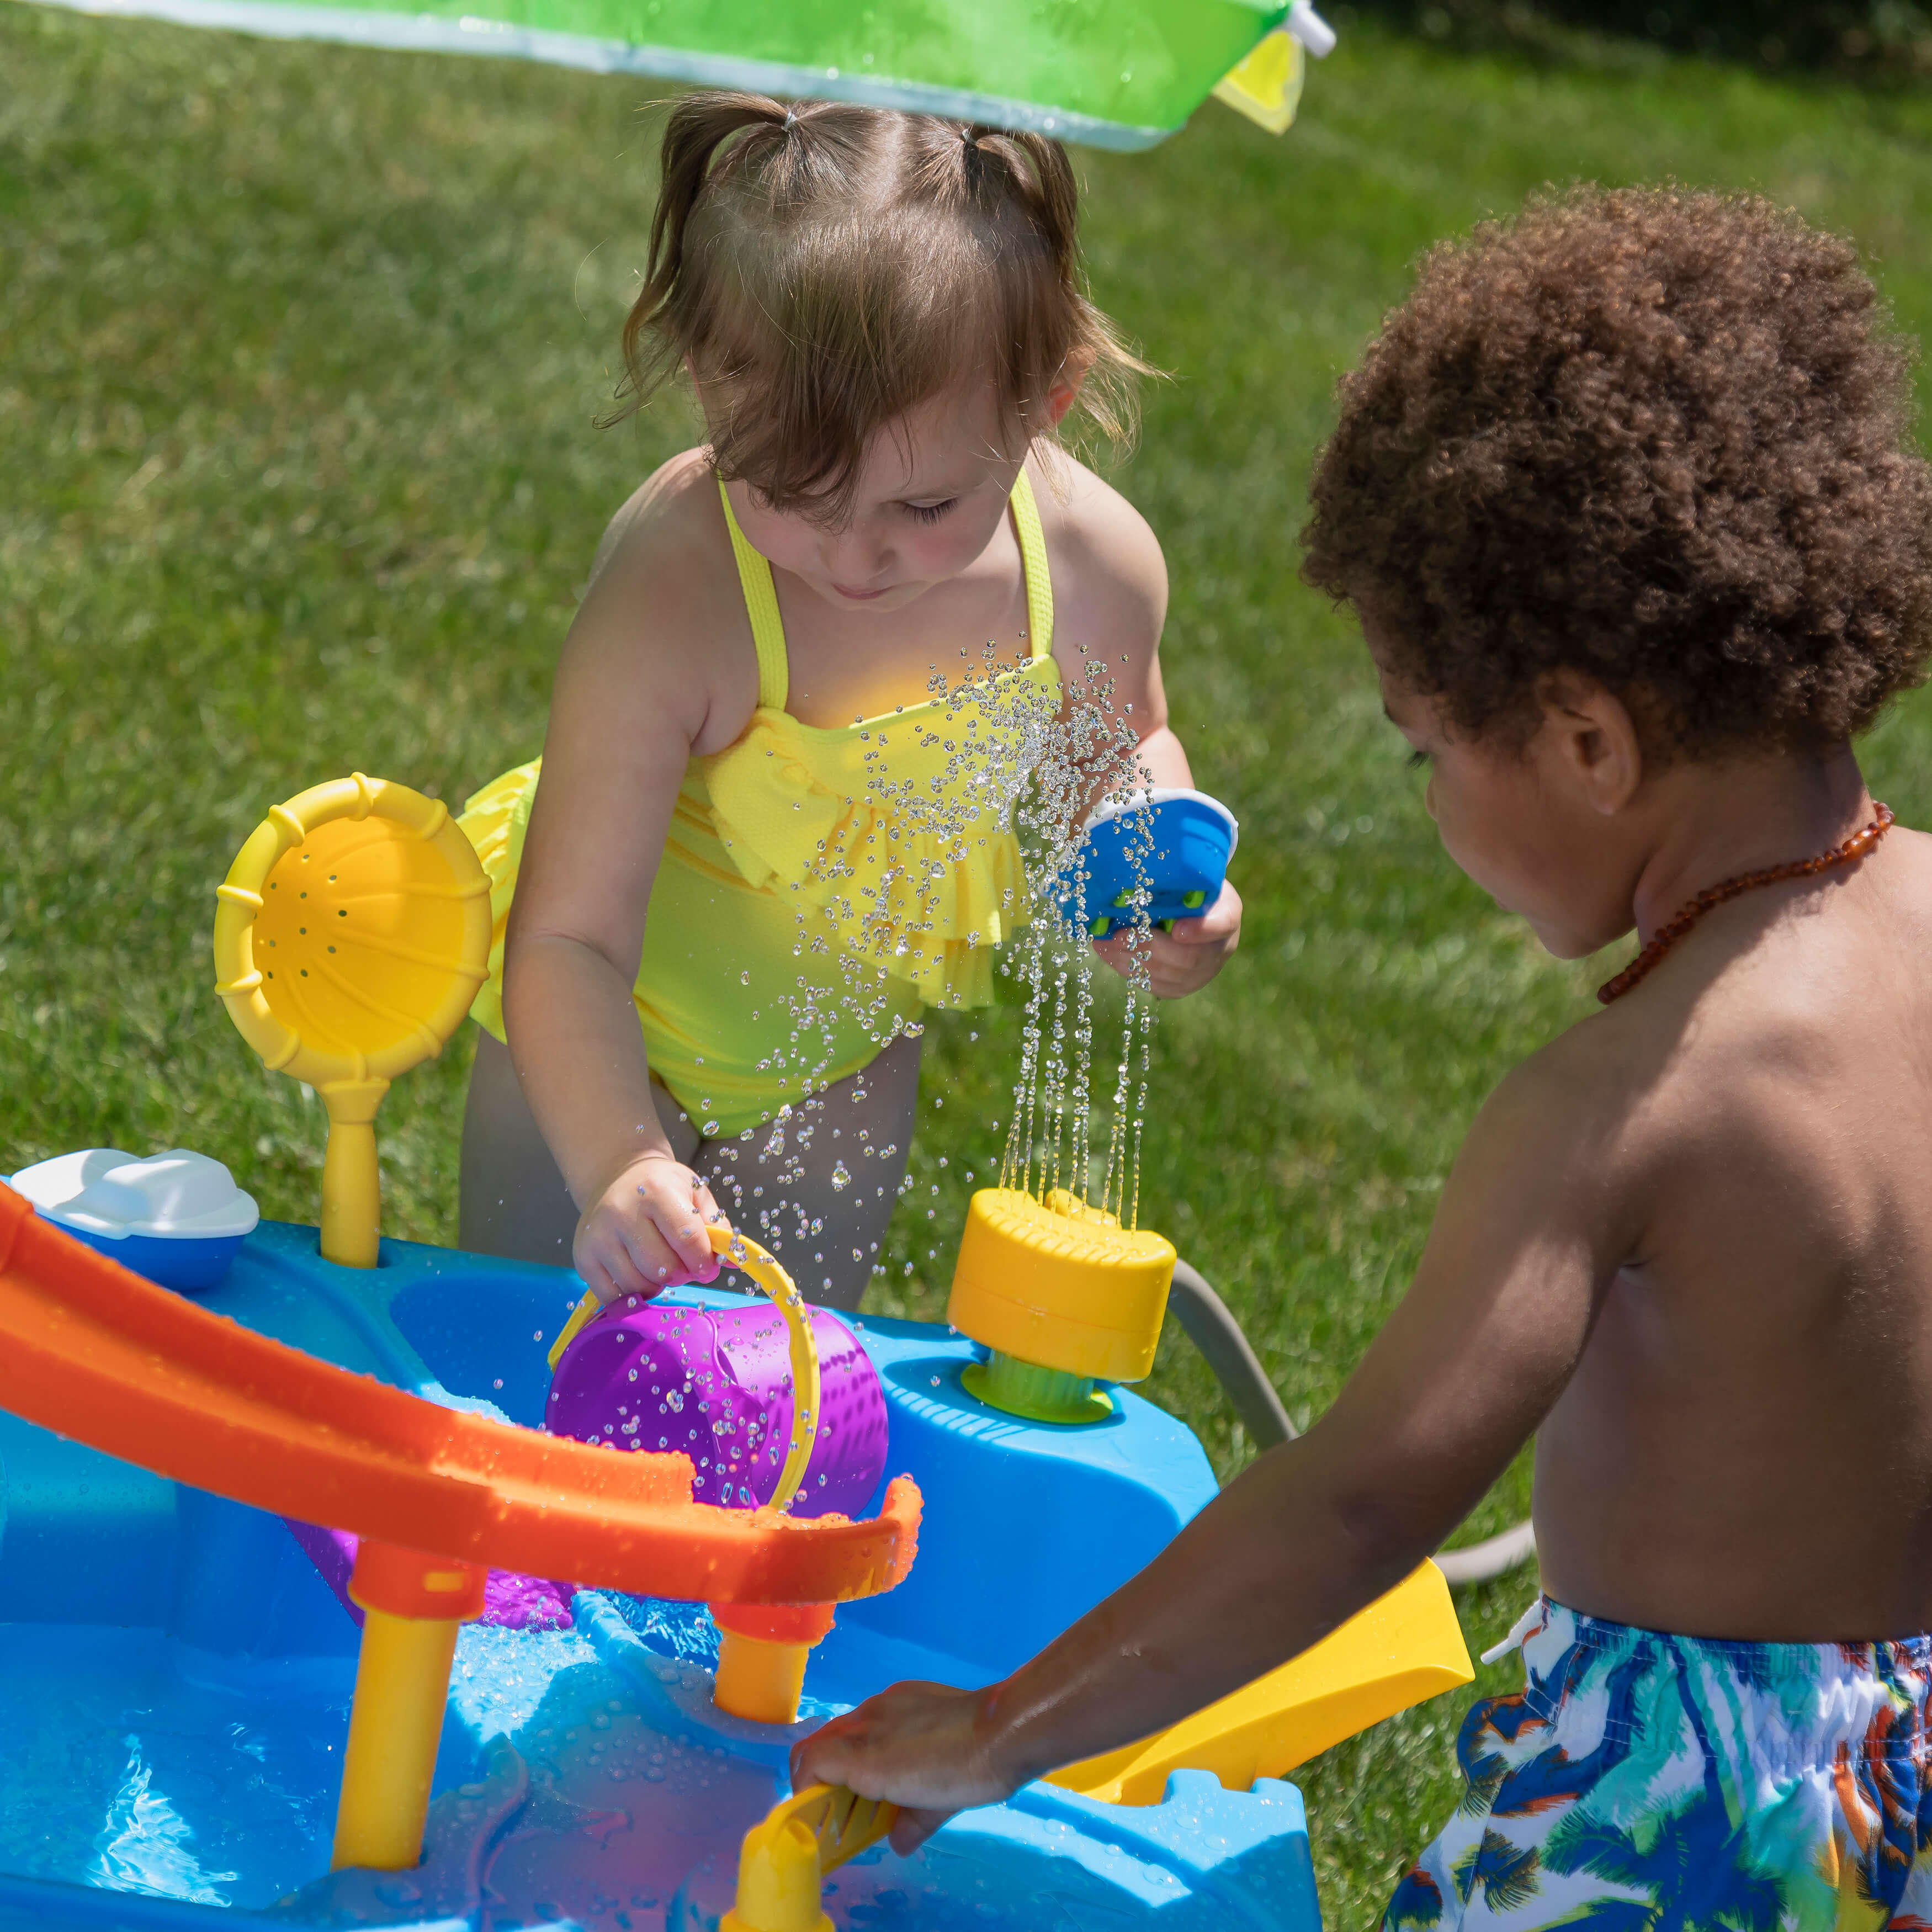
(299, 350)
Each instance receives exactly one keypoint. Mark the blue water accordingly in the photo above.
(133, 1762)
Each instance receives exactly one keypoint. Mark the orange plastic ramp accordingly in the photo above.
(92, 1351)
(1405, 1646)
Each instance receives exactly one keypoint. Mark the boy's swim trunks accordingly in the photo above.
(1641, 1780)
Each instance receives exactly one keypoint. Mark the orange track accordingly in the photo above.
(92, 1351)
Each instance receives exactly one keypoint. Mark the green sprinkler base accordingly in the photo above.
(1040, 1395)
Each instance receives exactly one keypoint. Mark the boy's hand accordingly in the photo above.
(926, 1746)
(1183, 961)
(646, 1231)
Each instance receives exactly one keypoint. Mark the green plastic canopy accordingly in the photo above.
(1114, 73)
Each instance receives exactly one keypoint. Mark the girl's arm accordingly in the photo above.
(642, 683)
(1528, 1236)
(1118, 581)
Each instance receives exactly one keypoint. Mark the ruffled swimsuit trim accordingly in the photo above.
(888, 827)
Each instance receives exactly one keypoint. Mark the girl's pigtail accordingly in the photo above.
(699, 124)
(1034, 172)
(1042, 181)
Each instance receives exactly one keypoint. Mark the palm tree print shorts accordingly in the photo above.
(1644, 1782)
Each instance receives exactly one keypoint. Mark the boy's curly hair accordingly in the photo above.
(1661, 438)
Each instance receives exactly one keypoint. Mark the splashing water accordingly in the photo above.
(1090, 756)
(1017, 757)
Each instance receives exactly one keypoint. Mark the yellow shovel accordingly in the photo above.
(350, 937)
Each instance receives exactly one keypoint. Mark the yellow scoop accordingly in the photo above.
(782, 1866)
(350, 937)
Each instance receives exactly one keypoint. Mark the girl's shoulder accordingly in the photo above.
(674, 512)
(663, 613)
(1109, 577)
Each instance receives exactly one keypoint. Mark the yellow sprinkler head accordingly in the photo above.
(350, 936)
(1061, 1289)
(781, 1868)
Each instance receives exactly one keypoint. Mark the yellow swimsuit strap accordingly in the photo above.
(761, 596)
(1033, 562)
(761, 606)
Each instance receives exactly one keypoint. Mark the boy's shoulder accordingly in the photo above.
(1766, 1017)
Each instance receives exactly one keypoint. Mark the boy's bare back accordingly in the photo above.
(1745, 1449)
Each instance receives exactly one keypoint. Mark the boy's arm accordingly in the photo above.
(1531, 1231)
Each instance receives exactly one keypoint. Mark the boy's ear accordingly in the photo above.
(1594, 739)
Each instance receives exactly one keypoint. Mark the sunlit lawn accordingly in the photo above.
(299, 352)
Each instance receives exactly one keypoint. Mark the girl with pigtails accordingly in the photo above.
(816, 659)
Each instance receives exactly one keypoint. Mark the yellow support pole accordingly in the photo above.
(352, 1187)
(762, 1649)
(758, 1679)
(402, 1683)
(412, 1605)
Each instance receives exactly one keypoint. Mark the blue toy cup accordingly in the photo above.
(1165, 849)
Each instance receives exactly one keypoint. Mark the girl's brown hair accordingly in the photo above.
(824, 268)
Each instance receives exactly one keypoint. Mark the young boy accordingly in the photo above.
(1623, 497)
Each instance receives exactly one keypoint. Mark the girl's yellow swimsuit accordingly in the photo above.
(820, 887)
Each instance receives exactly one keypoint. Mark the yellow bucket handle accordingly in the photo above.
(746, 1255)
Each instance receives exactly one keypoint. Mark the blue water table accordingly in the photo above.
(182, 1677)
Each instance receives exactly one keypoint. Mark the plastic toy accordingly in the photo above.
(716, 1383)
(1063, 1296)
(1165, 849)
(176, 1217)
(102, 1356)
(782, 1867)
(1057, 71)
(635, 1376)
(1028, 1525)
(379, 1397)
(724, 1391)
(1404, 1647)
(350, 936)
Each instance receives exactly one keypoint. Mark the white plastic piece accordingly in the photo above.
(1132, 801)
(175, 1195)
(1308, 27)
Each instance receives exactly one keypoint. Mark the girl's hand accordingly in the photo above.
(1183, 960)
(926, 1746)
(646, 1231)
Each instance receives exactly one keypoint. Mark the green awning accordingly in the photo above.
(1114, 73)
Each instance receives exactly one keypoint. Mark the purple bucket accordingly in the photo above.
(716, 1383)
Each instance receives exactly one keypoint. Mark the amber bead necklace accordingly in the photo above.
(1855, 847)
